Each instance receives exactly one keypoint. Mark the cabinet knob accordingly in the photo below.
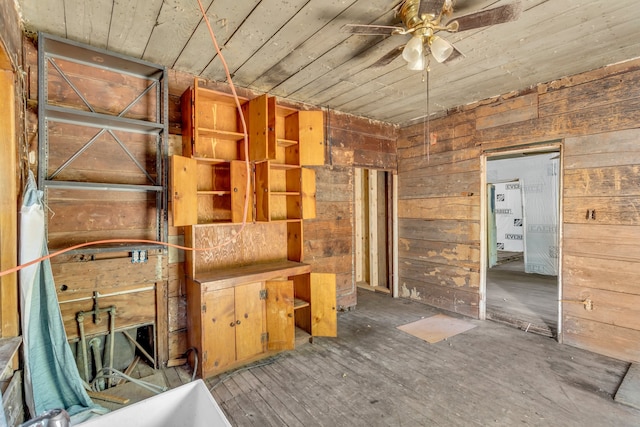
(232, 324)
(290, 315)
(237, 322)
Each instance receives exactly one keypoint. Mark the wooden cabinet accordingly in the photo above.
(206, 191)
(315, 303)
(210, 183)
(211, 125)
(233, 325)
(283, 140)
(241, 314)
(245, 301)
(289, 135)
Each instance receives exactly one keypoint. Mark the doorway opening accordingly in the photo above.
(520, 268)
(373, 229)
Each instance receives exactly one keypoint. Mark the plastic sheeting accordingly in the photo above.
(538, 176)
(51, 379)
(509, 221)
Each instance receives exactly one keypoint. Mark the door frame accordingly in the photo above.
(553, 146)
(369, 227)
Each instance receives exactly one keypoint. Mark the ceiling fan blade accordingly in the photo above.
(430, 7)
(389, 57)
(484, 18)
(371, 30)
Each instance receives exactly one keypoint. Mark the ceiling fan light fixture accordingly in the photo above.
(440, 48)
(417, 64)
(413, 50)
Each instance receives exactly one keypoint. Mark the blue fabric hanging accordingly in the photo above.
(51, 378)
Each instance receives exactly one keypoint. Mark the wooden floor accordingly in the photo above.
(376, 375)
(528, 301)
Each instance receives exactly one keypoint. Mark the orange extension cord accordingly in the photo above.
(171, 245)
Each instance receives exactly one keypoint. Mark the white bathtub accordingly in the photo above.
(188, 405)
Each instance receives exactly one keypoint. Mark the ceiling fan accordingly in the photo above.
(423, 19)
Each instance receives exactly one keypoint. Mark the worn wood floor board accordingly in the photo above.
(375, 375)
(327, 388)
(370, 405)
(285, 416)
(382, 397)
(265, 415)
(413, 371)
(287, 396)
(306, 391)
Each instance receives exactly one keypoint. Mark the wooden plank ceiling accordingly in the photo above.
(294, 49)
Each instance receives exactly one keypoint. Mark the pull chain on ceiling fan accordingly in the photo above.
(423, 19)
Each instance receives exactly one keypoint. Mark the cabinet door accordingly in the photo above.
(184, 191)
(324, 320)
(311, 137)
(250, 328)
(280, 324)
(262, 144)
(263, 193)
(308, 193)
(239, 190)
(218, 330)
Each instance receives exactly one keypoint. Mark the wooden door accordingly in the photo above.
(218, 330)
(184, 191)
(249, 310)
(324, 321)
(279, 312)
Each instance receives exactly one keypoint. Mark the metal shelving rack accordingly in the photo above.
(51, 49)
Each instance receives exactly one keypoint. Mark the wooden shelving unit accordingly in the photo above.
(211, 180)
(239, 313)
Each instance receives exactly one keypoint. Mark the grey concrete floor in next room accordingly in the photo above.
(527, 301)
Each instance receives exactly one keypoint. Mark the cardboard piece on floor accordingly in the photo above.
(629, 391)
(436, 328)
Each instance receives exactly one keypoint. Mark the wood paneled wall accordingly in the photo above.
(328, 239)
(358, 142)
(596, 118)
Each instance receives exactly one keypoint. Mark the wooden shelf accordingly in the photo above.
(214, 193)
(220, 134)
(210, 161)
(300, 303)
(285, 193)
(286, 142)
(283, 166)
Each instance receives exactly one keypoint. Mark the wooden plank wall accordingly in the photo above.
(596, 117)
(328, 239)
(358, 142)
(353, 141)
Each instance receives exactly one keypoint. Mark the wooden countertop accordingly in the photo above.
(251, 273)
